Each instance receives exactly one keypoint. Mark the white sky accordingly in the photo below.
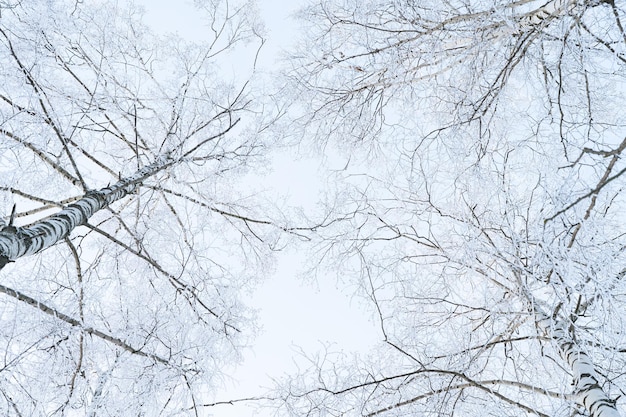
(293, 315)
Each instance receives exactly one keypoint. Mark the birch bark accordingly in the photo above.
(587, 390)
(23, 241)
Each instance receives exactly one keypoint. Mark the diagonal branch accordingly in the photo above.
(185, 289)
(41, 155)
(76, 323)
(15, 243)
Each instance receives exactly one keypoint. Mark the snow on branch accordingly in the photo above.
(23, 241)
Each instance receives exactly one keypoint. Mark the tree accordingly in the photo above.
(125, 243)
(481, 204)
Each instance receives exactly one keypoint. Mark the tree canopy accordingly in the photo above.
(119, 150)
(481, 198)
(473, 151)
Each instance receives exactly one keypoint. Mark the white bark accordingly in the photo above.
(551, 8)
(22, 241)
(588, 392)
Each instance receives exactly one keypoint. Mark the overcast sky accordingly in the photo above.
(294, 315)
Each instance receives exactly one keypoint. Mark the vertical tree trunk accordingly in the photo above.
(22, 241)
(588, 391)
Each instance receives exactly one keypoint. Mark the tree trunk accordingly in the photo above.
(22, 241)
(588, 392)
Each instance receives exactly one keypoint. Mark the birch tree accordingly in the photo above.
(124, 243)
(480, 191)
